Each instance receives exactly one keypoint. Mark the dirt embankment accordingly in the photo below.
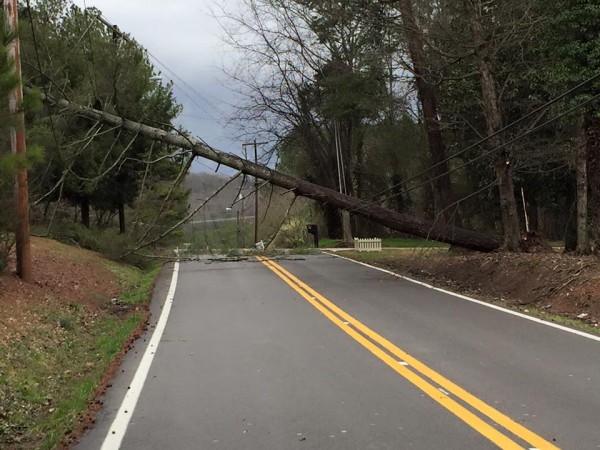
(63, 275)
(549, 282)
(59, 337)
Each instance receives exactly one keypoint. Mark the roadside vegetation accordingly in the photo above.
(483, 115)
(450, 111)
(60, 337)
(389, 242)
(91, 185)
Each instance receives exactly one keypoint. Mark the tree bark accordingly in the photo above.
(122, 225)
(593, 171)
(443, 192)
(396, 221)
(503, 163)
(345, 133)
(333, 221)
(581, 160)
(508, 205)
(346, 227)
(46, 208)
(85, 212)
(570, 233)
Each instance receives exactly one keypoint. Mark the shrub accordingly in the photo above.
(108, 242)
(74, 233)
(293, 233)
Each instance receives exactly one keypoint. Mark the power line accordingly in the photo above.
(185, 84)
(487, 138)
(124, 36)
(512, 141)
(489, 152)
(194, 116)
(39, 63)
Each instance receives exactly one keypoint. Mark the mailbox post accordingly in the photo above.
(313, 229)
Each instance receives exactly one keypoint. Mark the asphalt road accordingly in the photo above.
(322, 353)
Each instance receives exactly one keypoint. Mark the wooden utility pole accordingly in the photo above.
(255, 145)
(23, 246)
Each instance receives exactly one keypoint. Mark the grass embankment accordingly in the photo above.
(390, 243)
(389, 255)
(59, 337)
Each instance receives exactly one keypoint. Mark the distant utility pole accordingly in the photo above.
(23, 246)
(255, 145)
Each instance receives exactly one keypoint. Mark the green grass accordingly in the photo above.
(141, 284)
(561, 320)
(104, 341)
(392, 254)
(390, 242)
(412, 243)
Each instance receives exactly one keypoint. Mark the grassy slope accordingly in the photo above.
(50, 373)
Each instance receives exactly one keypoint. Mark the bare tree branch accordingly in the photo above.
(184, 220)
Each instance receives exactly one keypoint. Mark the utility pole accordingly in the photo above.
(18, 145)
(255, 145)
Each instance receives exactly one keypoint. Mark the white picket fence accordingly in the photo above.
(367, 245)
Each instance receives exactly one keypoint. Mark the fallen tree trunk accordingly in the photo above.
(396, 221)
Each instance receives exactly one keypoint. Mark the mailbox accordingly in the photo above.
(313, 229)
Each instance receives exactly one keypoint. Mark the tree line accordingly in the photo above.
(477, 113)
(81, 171)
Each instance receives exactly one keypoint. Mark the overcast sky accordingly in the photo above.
(184, 36)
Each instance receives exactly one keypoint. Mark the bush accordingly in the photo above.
(73, 233)
(109, 243)
(293, 233)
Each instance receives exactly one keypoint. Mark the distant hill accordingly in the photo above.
(203, 185)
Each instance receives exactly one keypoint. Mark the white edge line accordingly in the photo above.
(479, 302)
(118, 428)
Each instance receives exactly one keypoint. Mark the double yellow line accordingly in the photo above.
(437, 387)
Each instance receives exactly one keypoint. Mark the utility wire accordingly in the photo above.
(182, 83)
(483, 155)
(102, 19)
(487, 138)
(39, 63)
(191, 88)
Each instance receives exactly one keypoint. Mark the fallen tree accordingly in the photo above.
(393, 220)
